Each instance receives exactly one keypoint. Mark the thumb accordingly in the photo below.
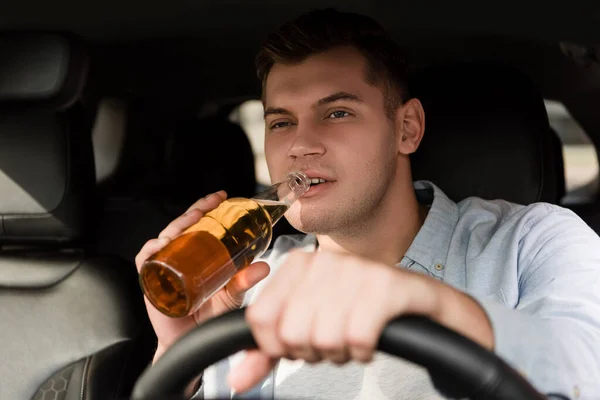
(246, 279)
(250, 371)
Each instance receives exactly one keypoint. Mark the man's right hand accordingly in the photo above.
(168, 329)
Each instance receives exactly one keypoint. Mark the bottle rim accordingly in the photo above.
(299, 182)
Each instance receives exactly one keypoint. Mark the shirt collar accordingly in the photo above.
(431, 245)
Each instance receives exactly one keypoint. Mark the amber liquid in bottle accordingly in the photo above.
(199, 262)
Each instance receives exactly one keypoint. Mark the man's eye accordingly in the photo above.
(338, 114)
(277, 125)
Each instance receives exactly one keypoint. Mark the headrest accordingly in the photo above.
(204, 156)
(46, 156)
(486, 133)
(41, 70)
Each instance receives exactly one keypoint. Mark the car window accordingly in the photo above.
(579, 155)
(108, 135)
(250, 116)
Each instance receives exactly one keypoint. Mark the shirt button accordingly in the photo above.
(439, 267)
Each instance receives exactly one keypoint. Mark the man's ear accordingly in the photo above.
(410, 126)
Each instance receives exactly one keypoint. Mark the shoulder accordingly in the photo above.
(535, 225)
(486, 219)
(505, 212)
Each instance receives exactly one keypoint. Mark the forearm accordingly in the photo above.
(463, 314)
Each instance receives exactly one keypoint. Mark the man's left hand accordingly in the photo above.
(329, 306)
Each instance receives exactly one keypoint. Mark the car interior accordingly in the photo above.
(114, 120)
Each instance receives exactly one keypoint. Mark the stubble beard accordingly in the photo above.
(352, 215)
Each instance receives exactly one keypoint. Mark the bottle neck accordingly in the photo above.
(278, 198)
(287, 191)
(276, 210)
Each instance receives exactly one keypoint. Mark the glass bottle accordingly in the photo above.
(185, 273)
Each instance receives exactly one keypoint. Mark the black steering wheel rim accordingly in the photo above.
(473, 371)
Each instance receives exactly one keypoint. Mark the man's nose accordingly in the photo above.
(307, 142)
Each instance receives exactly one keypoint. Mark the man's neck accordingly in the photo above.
(386, 236)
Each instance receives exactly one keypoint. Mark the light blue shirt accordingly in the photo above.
(534, 269)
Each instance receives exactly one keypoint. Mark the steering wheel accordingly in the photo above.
(469, 370)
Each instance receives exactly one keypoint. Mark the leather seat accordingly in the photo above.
(215, 153)
(204, 156)
(72, 323)
(200, 156)
(486, 134)
(590, 213)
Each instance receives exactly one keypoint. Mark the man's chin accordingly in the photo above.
(311, 225)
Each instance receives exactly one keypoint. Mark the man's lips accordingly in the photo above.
(316, 174)
(317, 190)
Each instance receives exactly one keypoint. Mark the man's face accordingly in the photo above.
(322, 117)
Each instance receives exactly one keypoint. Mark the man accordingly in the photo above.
(336, 107)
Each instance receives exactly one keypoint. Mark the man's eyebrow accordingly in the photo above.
(273, 110)
(339, 96)
(325, 100)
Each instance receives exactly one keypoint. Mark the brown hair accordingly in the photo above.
(322, 30)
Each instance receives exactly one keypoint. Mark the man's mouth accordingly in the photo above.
(320, 181)
(317, 181)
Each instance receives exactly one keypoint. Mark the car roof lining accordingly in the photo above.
(138, 19)
(202, 52)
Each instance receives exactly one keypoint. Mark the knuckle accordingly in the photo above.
(164, 232)
(194, 212)
(198, 203)
(149, 248)
(138, 260)
(326, 343)
(149, 244)
(290, 338)
(258, 319)
(360, 339)
(185, 220)
(362, 355)
(204, 203)
(145, 250)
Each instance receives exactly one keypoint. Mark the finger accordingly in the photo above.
(181, 223)
(217, 197)
(328, 335)
(193, 214)
(232, 296)
(245, 280)
(263, 316)
(251, 371)
(150, 247)
(364, 325)
(297, 319)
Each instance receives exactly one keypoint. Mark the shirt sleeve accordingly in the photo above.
(552, 336)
